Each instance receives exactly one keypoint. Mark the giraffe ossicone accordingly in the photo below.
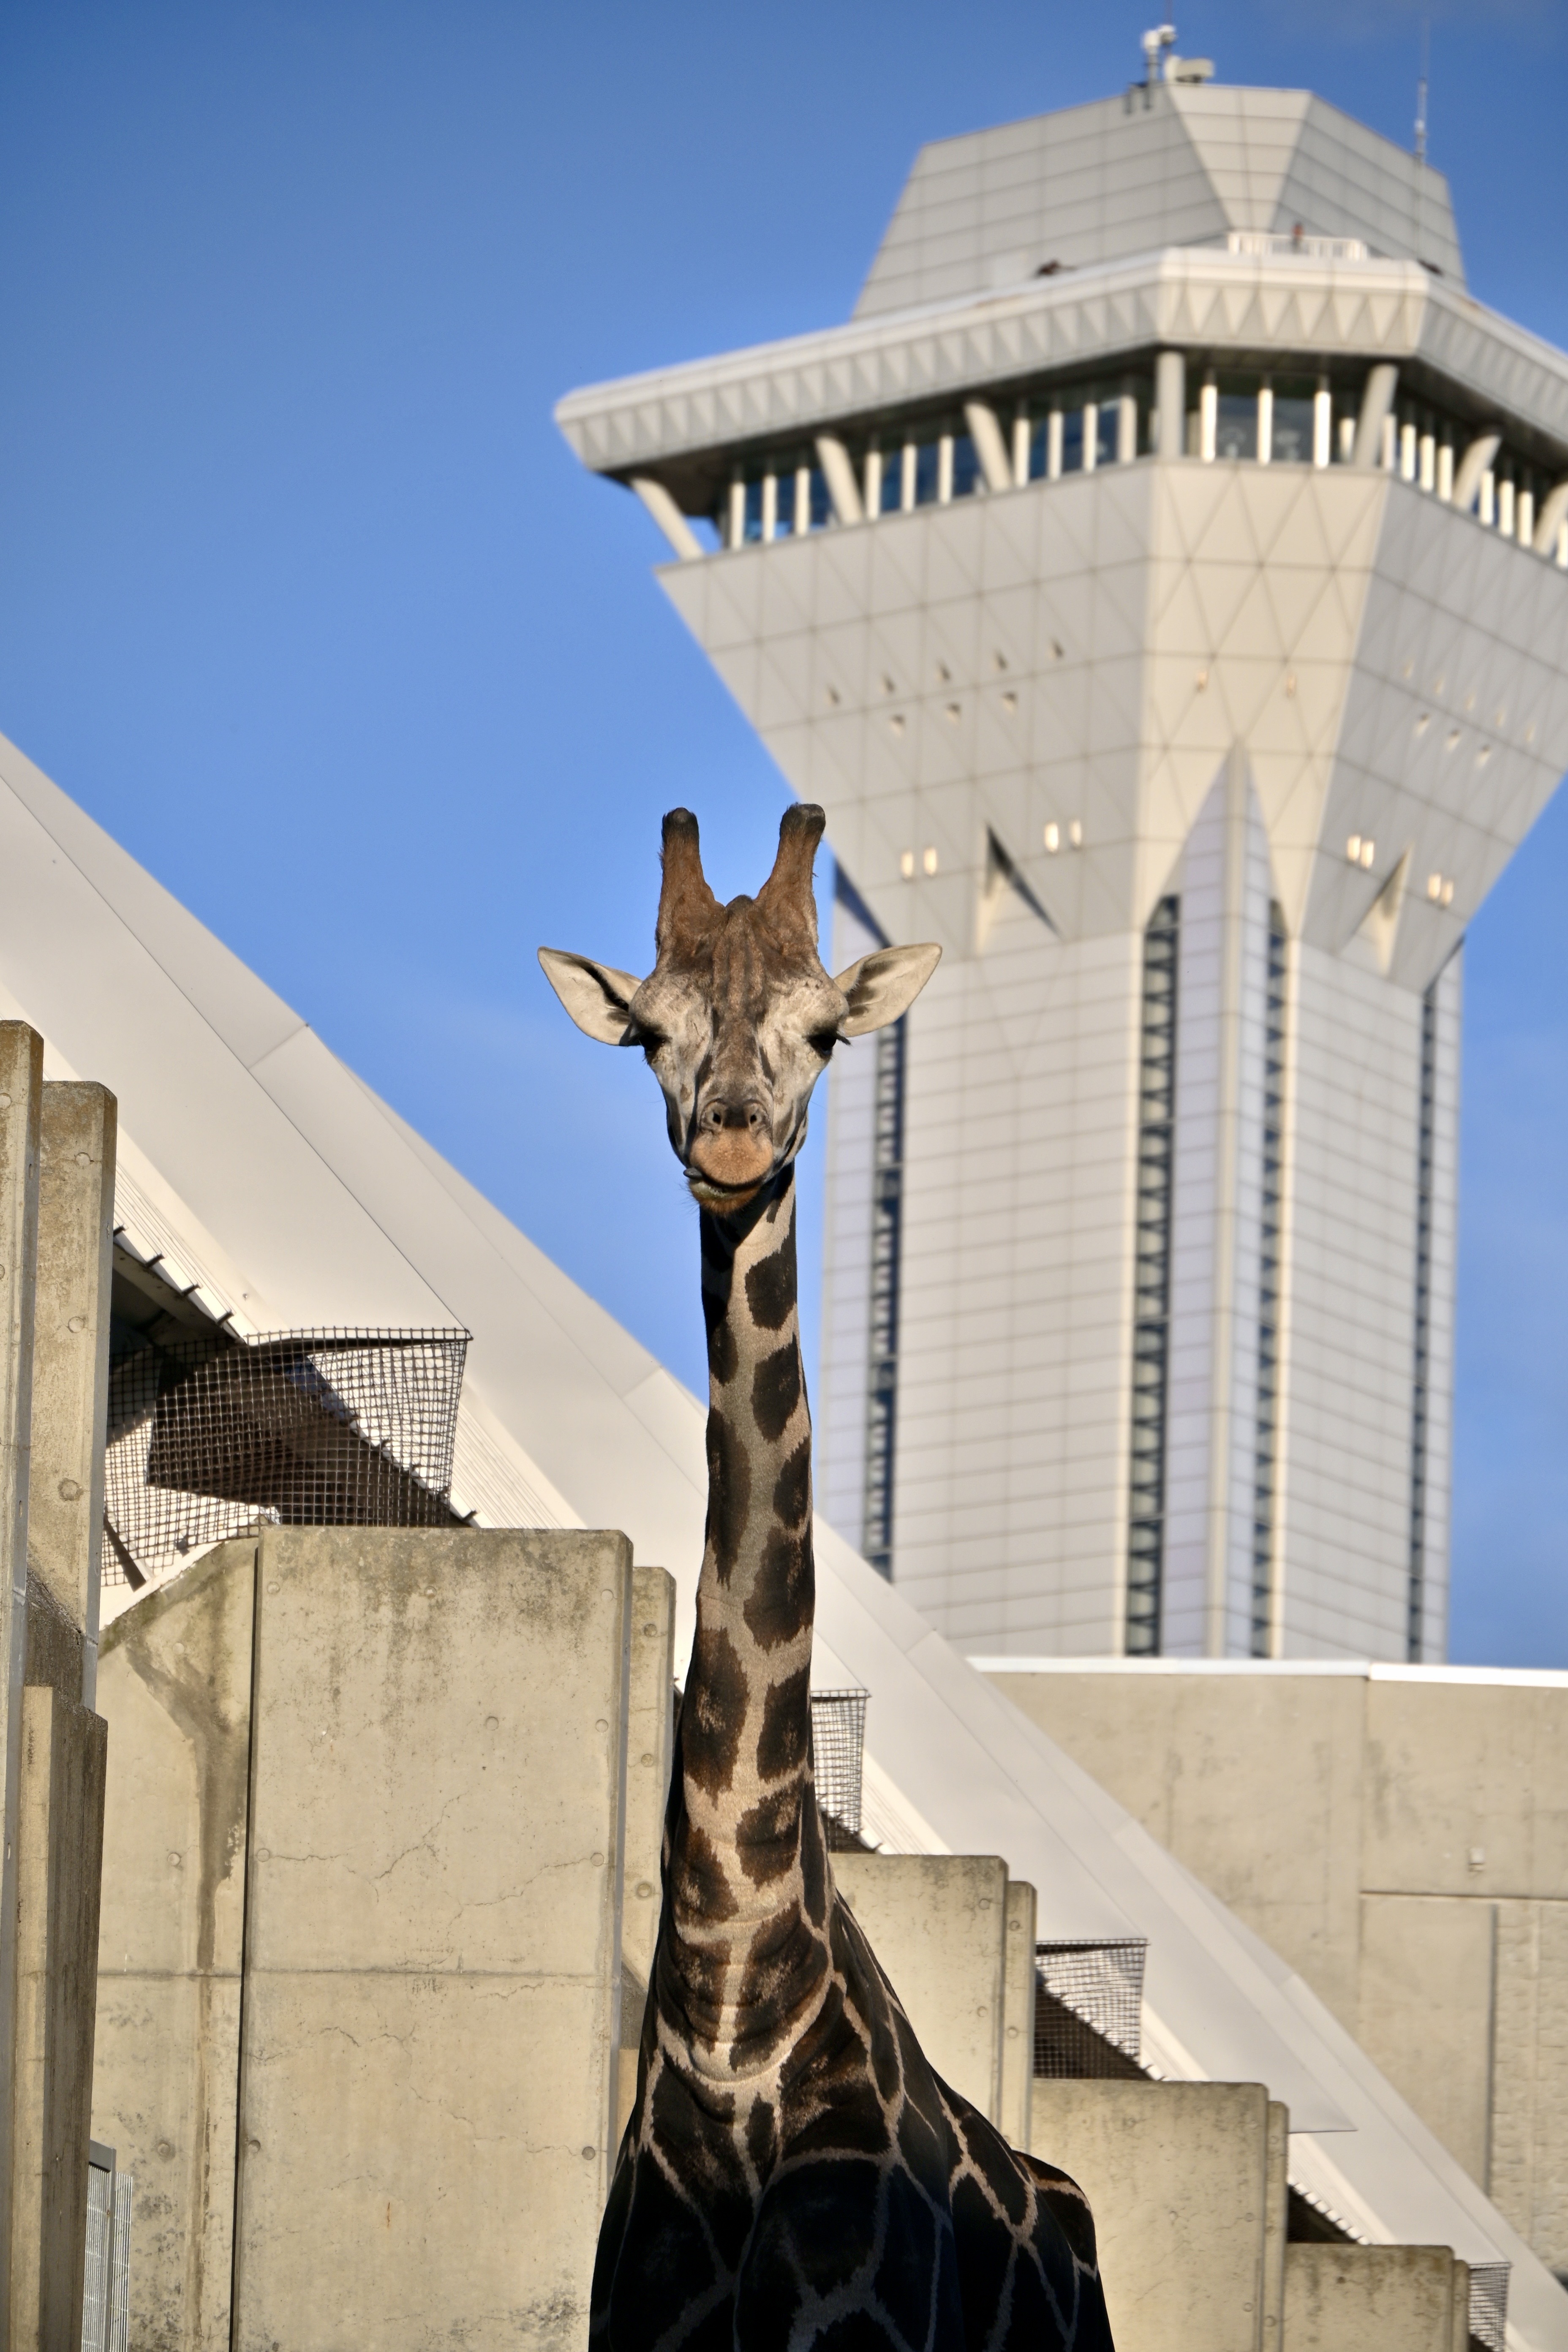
(794, 2173)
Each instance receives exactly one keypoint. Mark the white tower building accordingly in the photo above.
(1161, 582)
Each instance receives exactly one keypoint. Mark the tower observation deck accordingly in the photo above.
(1162, 581)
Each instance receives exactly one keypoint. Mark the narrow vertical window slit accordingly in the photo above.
(887, 1233)
(1151, 1283)
(1415, 1606)
(1263, 1483)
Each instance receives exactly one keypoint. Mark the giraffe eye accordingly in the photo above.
(650, 1040)
(822, 1041)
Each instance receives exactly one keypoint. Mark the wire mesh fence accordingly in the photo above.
(1089, 2008)
(1488, 2304)
(210, 1433)
(838, 1750)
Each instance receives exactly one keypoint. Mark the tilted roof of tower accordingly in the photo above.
(1170, 163)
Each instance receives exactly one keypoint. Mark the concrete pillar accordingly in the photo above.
(1018, 2015)
(21, 1118)
(838, 473)
(1171, 400)
(174, 1688)
(684, 542)
(1276, 2224)
(937, 1922)
(59, 1853)
(60, 1788)
(70, 1386)
(650, 1741)
(989, 447)
(1476, 462)
(1376, 402)
(1550, 522)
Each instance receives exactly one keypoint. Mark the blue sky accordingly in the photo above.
(303, 597)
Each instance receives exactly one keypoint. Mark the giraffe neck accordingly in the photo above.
(748, 1870)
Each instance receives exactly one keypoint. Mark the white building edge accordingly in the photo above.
(273, 1184)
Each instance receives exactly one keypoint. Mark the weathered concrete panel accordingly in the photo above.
(1177, 2178)
(937, 1922)
(1529, 2170)
(433, 1936)
(1467, 1790)
(1254, 1784)
(174, 1688)
(1018, 2014)
(1425, 1985)
(1369, 2299)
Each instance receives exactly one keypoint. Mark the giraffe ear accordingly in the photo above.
(597, 996)
(883, 985)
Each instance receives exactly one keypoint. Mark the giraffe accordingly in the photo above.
(794, 2173)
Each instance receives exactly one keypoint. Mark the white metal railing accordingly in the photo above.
(1269, 244)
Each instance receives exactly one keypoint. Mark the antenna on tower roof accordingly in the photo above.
(1421, 131)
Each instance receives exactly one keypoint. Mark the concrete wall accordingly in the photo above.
(938, 1925)
(1399, 1837)
(364, 1859)
(1186, 2184)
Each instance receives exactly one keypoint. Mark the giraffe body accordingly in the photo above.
(794, 2173)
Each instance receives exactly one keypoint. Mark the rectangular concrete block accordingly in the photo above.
(1427, 1985)
(1528, 2146)
(1177, 2177)
(427, 2069)
(1369, 2299)
(937, 1924)
(59, 1847)
(174, 1689)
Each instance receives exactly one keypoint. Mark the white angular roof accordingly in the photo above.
(266, 1173)
(1177, 164)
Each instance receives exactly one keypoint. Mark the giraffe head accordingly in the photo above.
(738, 1018)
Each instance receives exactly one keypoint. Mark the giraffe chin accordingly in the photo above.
(723, 1197)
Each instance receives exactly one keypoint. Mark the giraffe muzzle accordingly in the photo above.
(733, 1149)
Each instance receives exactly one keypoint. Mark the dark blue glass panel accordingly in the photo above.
(753, 528)
(1292, 439)
(926, 457)
(1039, 432)
(1105, 430)
(1236, 428)
(966, 476)
(821, 503)
(1072, 441)
(892, 480)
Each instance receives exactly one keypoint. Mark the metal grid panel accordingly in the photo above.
(334, 1428)
(1088, 2007)
(1489, 2303)
(119, 2265)
(837, 1752)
